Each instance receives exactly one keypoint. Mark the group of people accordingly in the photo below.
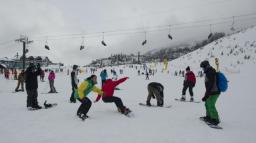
(106, 92)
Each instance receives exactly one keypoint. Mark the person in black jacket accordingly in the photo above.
(31, 83)
(74, 82)
(212, 93)
(155, 90)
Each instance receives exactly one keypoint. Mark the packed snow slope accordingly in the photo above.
(178, 124)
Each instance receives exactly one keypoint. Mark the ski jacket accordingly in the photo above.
(190, 77)
(103, 75)
(31, 78)
(74, 80)
(109, 87)
(156, 85)
(51, 76)
(211, 82)
(85, 88)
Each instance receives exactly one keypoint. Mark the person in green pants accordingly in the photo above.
(212, 93)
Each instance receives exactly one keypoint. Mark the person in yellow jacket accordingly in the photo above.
(83, 90)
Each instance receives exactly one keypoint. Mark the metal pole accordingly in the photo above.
(24, 54)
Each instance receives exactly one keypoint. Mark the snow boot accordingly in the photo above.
(191, 99)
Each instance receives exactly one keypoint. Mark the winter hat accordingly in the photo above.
(188, 68)
(204, 64)
(75, 67)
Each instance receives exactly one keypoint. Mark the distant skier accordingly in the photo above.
(42, 74)
(211, 95)
(21, 79)
(51, 79)
(104, 76)
(147, 75)
(84, 89)
(155, 90)
(108, 89)
(31, 74)
(189, 82)
(74, 83)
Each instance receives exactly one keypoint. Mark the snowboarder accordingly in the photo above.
(155, 90)
(211, 95)
(31, 83)
(104, 76)
(82, 92)
(108, 89)
(20, 82)
(189, 82)
(74, 83)
(51, 79)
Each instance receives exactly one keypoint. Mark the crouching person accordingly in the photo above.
(82, 92)
(155, 90)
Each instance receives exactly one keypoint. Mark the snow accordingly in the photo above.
(178, 124)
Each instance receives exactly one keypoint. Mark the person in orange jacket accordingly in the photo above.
(108, 88)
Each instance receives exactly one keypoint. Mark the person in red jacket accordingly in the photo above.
(108, 88)
(189, 82)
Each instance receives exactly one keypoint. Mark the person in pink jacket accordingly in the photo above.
(51, 78)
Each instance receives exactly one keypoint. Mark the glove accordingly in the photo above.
(205, 98)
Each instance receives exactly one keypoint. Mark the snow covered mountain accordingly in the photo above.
(232, 52)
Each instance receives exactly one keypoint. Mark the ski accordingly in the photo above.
(143, 104)
(177, 99)
(210, 125)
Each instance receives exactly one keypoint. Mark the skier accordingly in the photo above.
(108, 89)
(74, 83)
(82, 92)
(189, 82)
(20, 82)
(31, 74)
(155, 90)
(147, 75)
(51, 79)
(211, 95)
(15, 74)
(104, 76)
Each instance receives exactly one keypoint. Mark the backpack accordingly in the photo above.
(222, 82)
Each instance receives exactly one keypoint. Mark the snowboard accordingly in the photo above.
(18, 91)
(46, 106)
(210, 125)
(143, 104)
(177, 99)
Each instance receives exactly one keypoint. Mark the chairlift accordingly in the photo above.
(103, 42)
(169, 35)
(145, 41)
(82, 44)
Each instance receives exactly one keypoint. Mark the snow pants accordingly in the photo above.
(117, 100)
(32, 97)
(186, 86)
(211, 110)
(86, 104)
(154, 92)
(52, 88)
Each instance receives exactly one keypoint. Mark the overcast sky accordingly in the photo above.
(62, 23)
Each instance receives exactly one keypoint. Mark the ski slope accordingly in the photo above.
(178, 124)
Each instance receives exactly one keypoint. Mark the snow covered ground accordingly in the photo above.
(178, 124)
